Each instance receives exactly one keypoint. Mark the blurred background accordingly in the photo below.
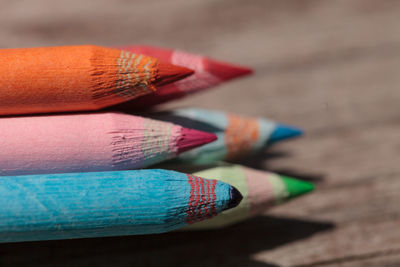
(329, 67)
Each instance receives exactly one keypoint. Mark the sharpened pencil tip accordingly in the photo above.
(283, 132)
(297, 187)
(226, 71)
(191, 138)
(236, 197)
(168, 73)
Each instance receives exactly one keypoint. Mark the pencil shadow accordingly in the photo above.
(261, 161)
(225, 247)
(184, 121)
(305, 176)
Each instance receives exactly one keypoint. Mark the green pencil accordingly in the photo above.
(260, 190)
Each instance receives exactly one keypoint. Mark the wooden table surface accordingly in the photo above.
(330, 67)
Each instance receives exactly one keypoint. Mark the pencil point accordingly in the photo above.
(191, 138)
(297, 187)
(236, 197)
(226, 71)
(168, 73)
(283, 132)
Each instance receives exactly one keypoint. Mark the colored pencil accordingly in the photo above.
(260, 190)
(238, 136)
(90, 142)
(99, 204)
(208, 73)
(77, 78)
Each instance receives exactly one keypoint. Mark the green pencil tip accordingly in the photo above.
(297, 187)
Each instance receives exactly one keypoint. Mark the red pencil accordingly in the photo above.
(208, 73)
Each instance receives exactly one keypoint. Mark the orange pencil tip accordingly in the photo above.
(168, 73)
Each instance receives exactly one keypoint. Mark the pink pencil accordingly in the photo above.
(90, 142)
(208, 73)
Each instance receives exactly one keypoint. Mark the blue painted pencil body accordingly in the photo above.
(237, 136)
(97, 204)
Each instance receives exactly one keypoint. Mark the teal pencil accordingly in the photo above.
(238, 136)
(99, 204)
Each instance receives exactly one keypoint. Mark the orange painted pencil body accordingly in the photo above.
(76, 78)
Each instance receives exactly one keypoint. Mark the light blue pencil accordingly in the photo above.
(238, 136)
(99, 204)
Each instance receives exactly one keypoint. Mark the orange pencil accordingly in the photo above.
(77, 78)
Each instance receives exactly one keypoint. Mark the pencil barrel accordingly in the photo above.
(71, 78)
(84, 142)
(59, 206)
(237, 136)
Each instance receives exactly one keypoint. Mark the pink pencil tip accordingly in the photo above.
(191, 138)
(226, 71)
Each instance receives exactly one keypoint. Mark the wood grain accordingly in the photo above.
(330, 67)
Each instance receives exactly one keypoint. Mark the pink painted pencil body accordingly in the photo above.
(90, 142)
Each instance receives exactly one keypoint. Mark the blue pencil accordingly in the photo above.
(238, 136)
(99, 204)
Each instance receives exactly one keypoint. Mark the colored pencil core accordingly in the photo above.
(283, 132)
(168, 73)
(226, 71)
(296, 187)
(191, 138)
(236, 197)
